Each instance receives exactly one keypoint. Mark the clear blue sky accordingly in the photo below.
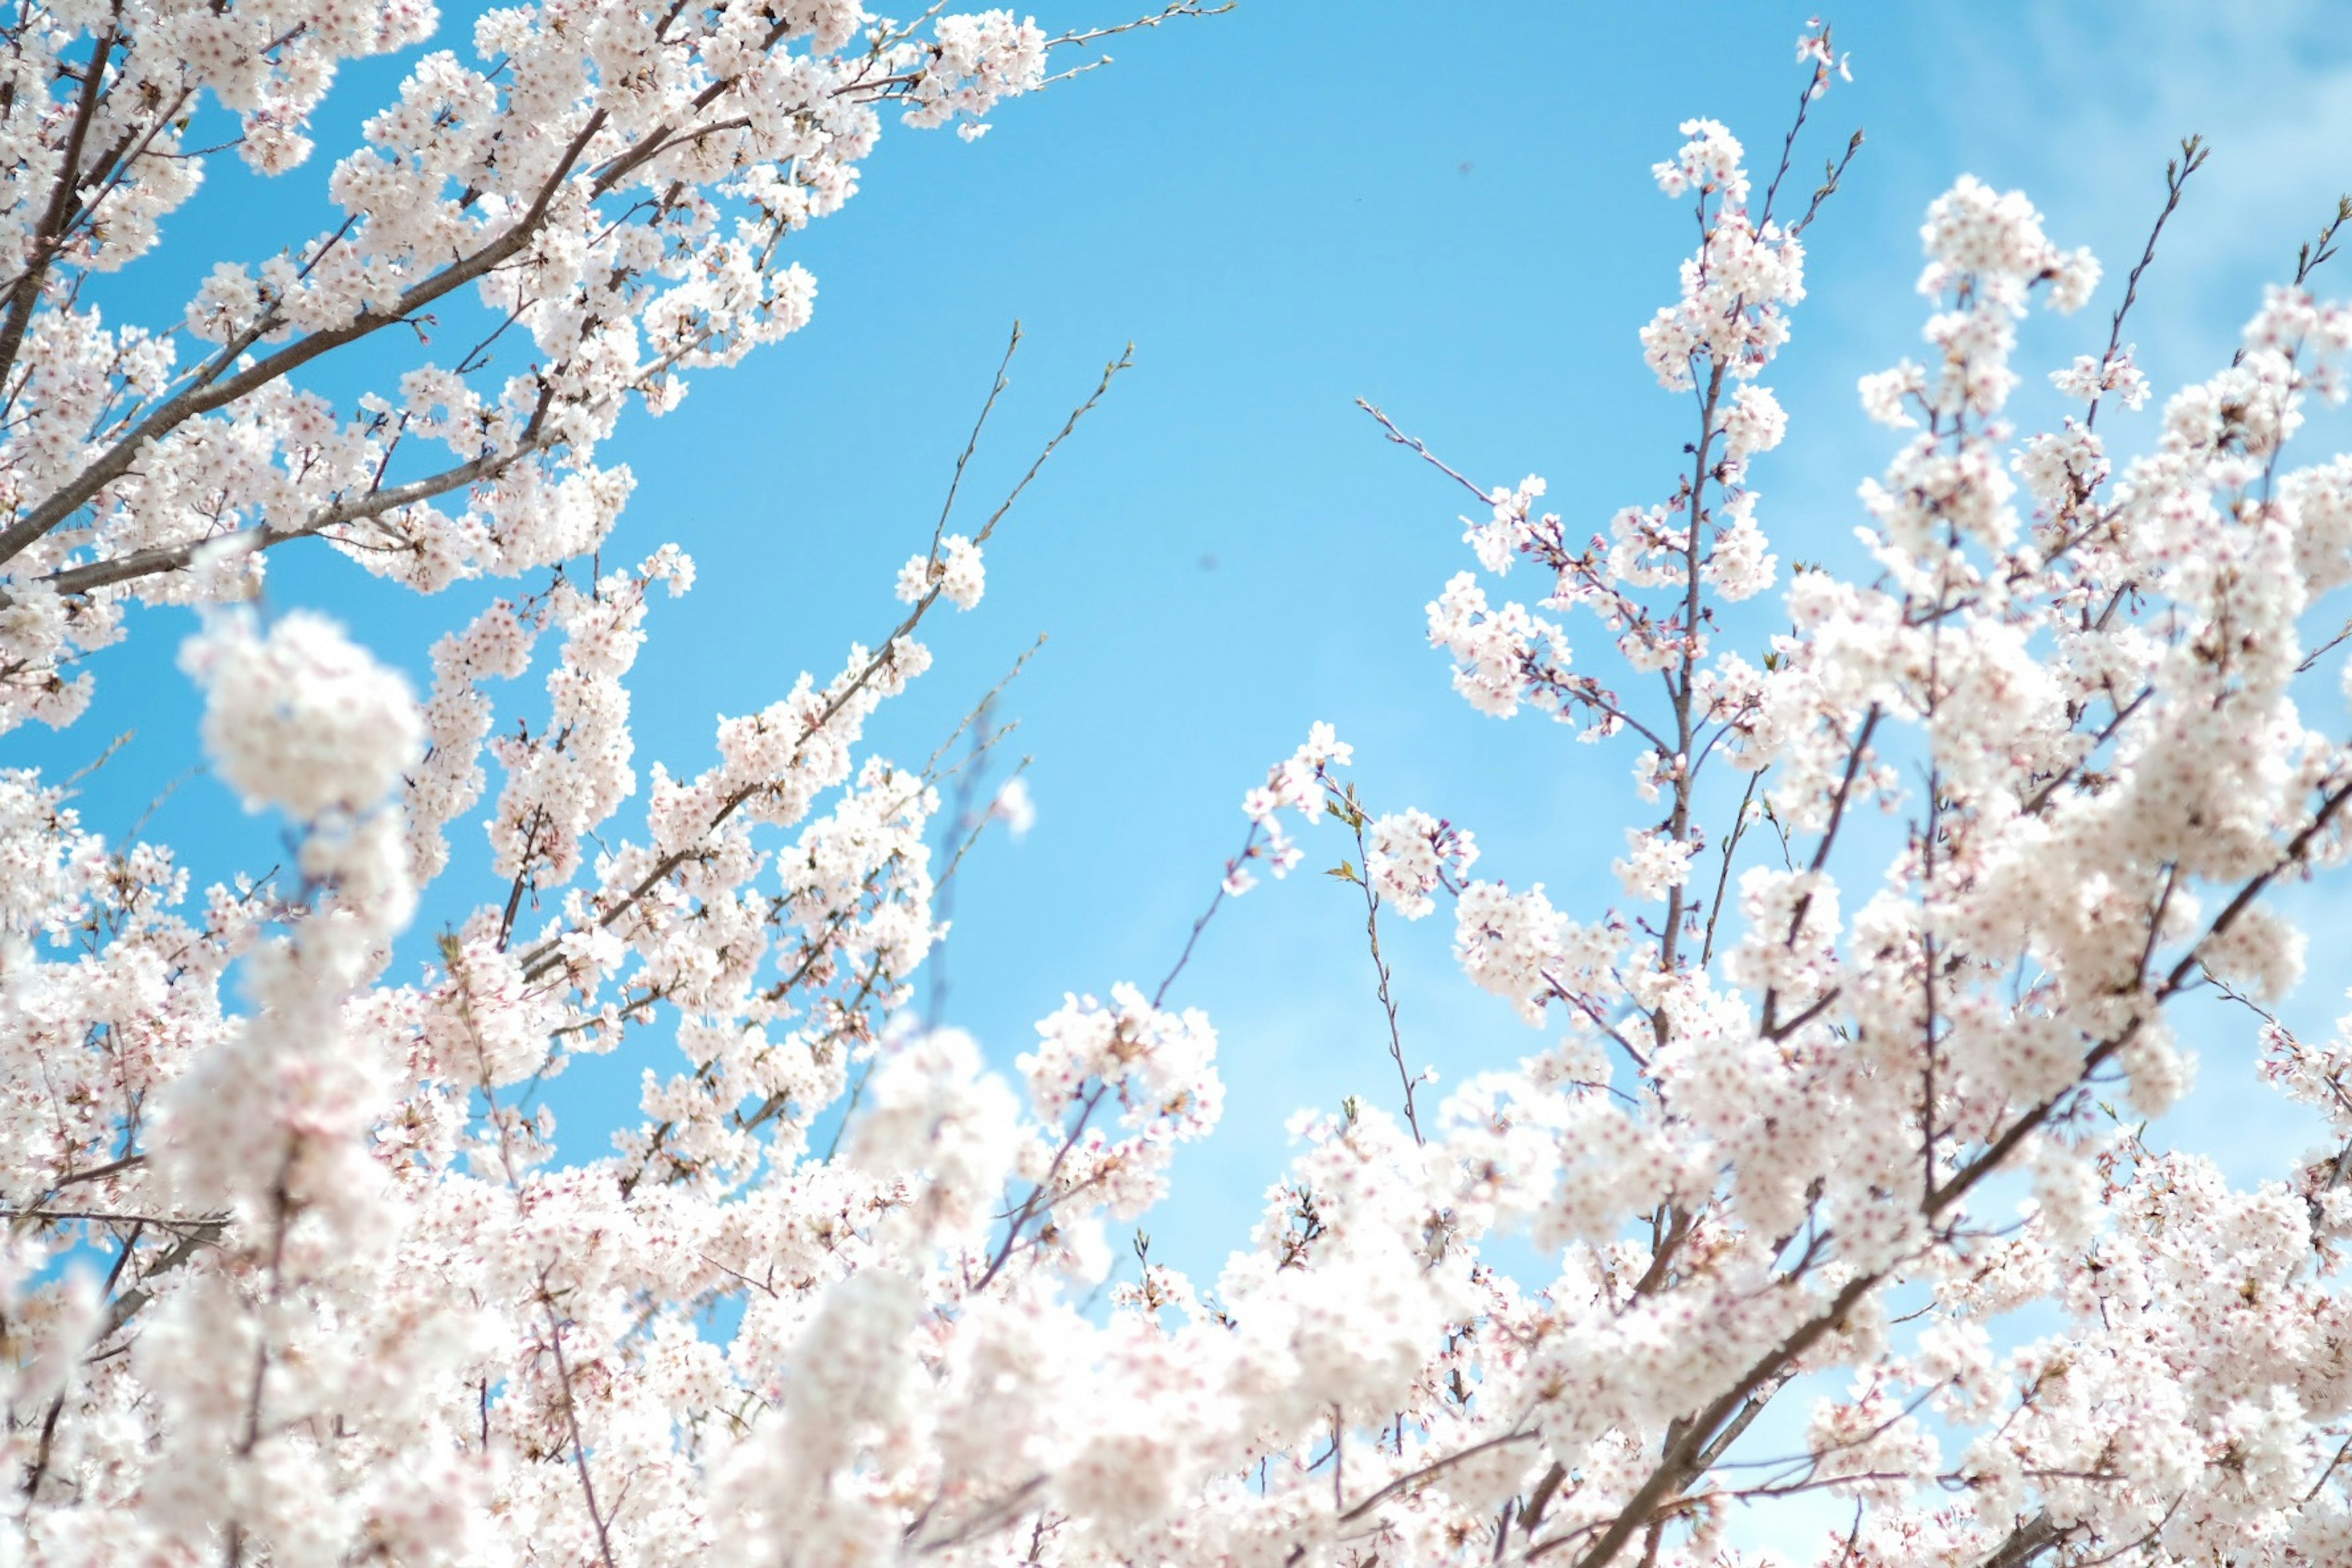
(1444, 208)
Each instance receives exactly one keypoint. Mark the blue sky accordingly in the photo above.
(1445, 210)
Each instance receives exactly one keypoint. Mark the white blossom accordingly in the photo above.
(300, 717)
(1837, 1142)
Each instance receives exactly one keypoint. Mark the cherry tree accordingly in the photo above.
(295, 1274)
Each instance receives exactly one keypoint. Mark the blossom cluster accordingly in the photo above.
(296, 1270)
(587, 205)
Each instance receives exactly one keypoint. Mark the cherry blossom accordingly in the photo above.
(1828, 1167)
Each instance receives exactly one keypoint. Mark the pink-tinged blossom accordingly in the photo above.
(300, 717)
(1741, 565)
(934, 1118)
(1492, 648)
(1755, 424)
(978, 61)
(1154, 1057)
(954, 569)
(1709, 160)
(1410, 855)
(1941, 850)
(2089, 379)
(1293, 784)
(1509, 531)
(1655, 864)
(1509, 943)
(1884, 393)
(1813, 46)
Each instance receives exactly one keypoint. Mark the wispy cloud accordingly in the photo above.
(2086, 101)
